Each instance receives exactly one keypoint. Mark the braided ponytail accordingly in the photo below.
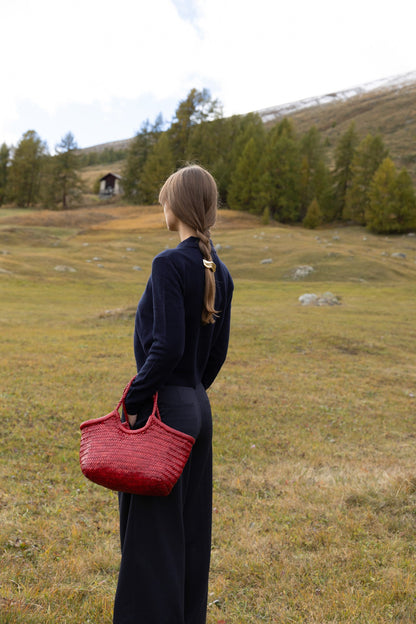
(209, 312)
(191, 193)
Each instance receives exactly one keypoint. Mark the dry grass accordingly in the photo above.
(388, 112)
(315, 485)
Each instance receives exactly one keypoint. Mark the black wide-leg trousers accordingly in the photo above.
(166, 541)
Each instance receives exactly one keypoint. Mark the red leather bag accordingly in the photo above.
(146, 461)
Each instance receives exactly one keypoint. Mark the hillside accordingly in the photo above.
(386, 106)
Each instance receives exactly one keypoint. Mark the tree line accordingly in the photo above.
(30, 176)
(273, 172)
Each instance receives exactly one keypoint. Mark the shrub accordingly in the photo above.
(313, 216)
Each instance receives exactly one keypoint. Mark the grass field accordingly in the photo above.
(314, 416)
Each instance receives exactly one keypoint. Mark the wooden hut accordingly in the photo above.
(110, 185)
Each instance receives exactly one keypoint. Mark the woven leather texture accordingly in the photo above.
(146, 461)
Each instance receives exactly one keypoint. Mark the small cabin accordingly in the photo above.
(110, 185)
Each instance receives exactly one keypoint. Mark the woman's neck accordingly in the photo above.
(185, 231)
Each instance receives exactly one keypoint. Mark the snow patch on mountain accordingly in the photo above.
(392, 83)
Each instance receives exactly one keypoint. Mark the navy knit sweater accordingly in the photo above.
(171, 345)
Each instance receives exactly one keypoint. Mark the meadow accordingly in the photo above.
(314, 428)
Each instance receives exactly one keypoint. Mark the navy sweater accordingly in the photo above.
(171, 345)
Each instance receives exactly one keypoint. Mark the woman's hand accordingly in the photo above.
(132, 419)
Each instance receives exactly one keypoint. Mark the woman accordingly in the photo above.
(180, 343)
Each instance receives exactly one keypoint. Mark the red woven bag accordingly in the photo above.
(146, 461)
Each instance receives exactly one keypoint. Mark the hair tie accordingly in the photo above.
(209, 264)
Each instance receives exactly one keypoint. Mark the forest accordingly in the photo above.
(268, 170)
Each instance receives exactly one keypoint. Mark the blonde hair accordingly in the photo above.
(191, 194)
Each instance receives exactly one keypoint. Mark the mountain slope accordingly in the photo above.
(386, 106)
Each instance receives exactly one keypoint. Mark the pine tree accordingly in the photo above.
(324, 191)
(62, 185)
(312, 154)
(4, 170)
(368, 157)
(316, 179)
(218, 145)
(313, 216)
(344, 154)
(244, 185)
(239, 131)
(159, 165)
(25, 170)
(406, 196)
(392, 205)
(137, 155)
(280, 181)
(196, 108)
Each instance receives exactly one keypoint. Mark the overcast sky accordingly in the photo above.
(99, 68)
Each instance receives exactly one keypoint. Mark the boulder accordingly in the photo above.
(319, 300)
(302, 271)
(308, 299)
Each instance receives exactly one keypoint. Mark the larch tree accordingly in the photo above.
(244, 186)
(159, 165)
(281, 174)
(315, 178)
(25, 170)
(368, 156)
(137, 155)
(344, 154)
(63, 185)
(4, 171)
(313, 216)
(392, 205)
(196, 108)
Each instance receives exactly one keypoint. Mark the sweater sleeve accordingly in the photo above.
(168, 341)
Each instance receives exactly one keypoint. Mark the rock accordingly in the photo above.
(302, 271)
(328, 299)
(5, 272)
(137, 268)
(266, 261)
(398, 254)
(322, 300)
(308, 299)
(63, 268)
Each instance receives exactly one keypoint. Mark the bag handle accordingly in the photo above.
(155, 411)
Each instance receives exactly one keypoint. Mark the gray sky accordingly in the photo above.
(99, 68)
